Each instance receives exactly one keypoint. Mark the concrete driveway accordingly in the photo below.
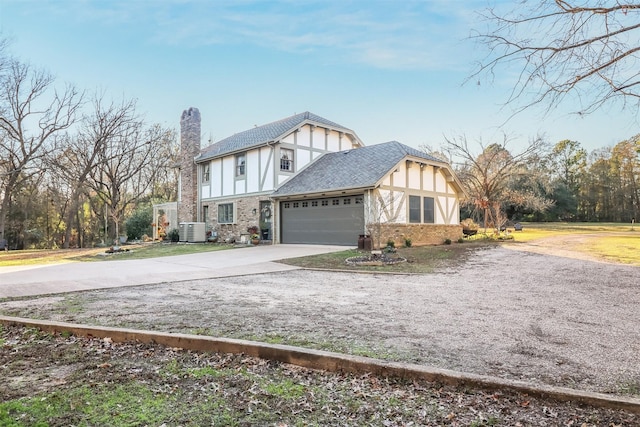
(80, 276)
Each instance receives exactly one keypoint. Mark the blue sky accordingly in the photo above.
(389, 70)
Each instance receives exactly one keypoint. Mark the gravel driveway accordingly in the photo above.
(515, 314)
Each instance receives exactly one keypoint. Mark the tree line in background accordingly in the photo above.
(542, 182)
(74, 167)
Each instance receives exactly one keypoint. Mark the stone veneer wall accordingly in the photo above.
(245, 217)
(190, 124)
(420, 234)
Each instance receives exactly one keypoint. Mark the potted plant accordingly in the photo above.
(254, 236)
(264, 230)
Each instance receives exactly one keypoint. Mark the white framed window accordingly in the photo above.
(205, 172)
(428, 210)
(414, 209)
(241, 164)
(286, 160)
(421, 209)
(226, 213)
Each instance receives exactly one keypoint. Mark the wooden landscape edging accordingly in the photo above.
(329, 361)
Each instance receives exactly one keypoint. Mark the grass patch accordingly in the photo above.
(541, 230)
(624, 249)
(285, 389)
(154, 250)
(420, 259)
(104, 404)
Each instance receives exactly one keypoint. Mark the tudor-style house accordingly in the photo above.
(306, 179)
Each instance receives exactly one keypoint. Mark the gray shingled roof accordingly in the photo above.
(266, 133)
(358, 168)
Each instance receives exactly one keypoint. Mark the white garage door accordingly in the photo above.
(330, 221)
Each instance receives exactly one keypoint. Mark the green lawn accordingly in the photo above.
(141, 251)
(541, 230)
(624, 248)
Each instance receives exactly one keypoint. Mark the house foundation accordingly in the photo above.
(420, 234)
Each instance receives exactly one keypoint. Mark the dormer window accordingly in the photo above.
(240, 164)
(286, 160)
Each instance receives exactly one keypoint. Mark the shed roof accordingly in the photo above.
(264, 134)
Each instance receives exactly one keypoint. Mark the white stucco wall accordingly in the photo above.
(412, 179)
(263, 163)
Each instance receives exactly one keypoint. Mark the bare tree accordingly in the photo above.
(487, 175)
(127, 162)
(32, 116)
(590, 49)
(379, 207)
(84, 151)
(166, 164)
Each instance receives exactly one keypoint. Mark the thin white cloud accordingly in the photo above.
(382, 34)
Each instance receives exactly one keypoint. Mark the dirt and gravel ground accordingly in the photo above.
(65, 381)
(535, 313)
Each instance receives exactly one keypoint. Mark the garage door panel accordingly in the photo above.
(337, 221)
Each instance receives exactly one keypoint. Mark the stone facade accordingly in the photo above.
(247, 214)
(420, 234)
(190, 134)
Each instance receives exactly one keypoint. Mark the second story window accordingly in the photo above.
(240, 164)
(205, 173)
(286, 160)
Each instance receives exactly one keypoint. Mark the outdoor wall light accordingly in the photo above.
(255, 211)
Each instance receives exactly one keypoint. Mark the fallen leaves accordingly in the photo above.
(250, 388)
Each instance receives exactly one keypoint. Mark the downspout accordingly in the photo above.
(275, 212)
(199, 192)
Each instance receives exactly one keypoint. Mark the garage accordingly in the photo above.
(330, 221)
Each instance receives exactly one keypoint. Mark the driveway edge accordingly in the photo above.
(329, 361)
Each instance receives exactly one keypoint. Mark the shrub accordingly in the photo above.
(173, 235)
(460, 240)
(407, 242)
(447, 241)
(139, 223)
(391, 243)
(469, 224)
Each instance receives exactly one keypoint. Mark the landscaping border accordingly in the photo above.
(330, 361)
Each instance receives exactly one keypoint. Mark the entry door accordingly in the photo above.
(266, 219)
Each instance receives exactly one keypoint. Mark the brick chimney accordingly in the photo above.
(189, 149)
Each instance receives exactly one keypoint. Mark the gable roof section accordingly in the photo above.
(358, 168)
(264, 134)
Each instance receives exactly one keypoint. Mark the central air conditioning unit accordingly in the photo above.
(192, 232)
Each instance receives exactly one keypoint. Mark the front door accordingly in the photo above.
(266, 217)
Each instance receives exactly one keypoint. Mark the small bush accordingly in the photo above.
(173, 235)
(407, 242)
(460, 240)
(447, 241)
(139, 223)
(469, 224)
(391, 243)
